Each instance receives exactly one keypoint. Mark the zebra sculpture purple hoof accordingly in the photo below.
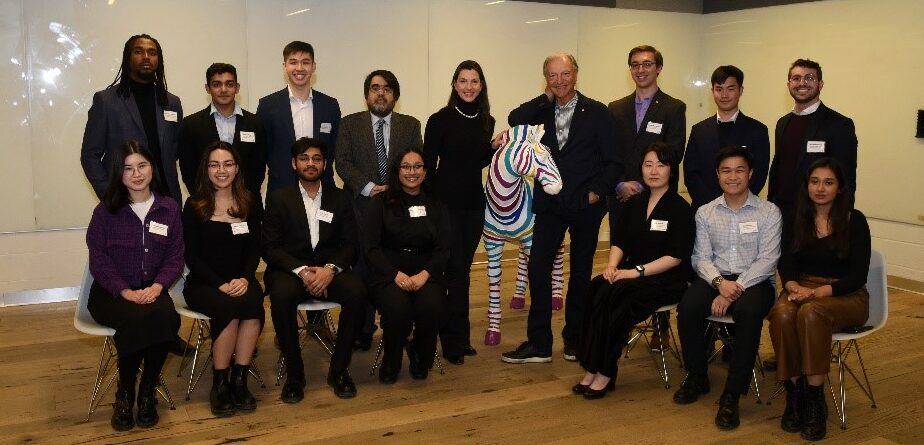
(557, 303)
(517, 303)
(492, 338)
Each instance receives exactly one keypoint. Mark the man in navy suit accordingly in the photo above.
(297, 111)
(579, 133)
(729, 126)
(135, 106)
(223, 120)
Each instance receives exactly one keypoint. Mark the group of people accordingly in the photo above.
(401, 236)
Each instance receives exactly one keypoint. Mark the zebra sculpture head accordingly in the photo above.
(525, 156)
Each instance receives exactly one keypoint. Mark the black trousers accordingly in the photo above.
(467, 225)
(402, 312)
(548, 234)
(748, 312)
(286, 292)
(361, 269)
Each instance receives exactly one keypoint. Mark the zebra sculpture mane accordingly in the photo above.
(508, 216)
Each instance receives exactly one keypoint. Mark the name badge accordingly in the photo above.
(325, 127)
(747, 227)
(417, 211)
(815, 147)
(324, 215)
(157, 228)
(170, 116)
(239, 228)
(248, 136)
(658, 225)
(654, 127)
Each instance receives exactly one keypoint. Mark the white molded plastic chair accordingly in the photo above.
(312, 328)
(108, 360)
(653, 325)
(878, 314)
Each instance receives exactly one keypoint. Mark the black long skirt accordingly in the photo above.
(221, 308)
(137, 326)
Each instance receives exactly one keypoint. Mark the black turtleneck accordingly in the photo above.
(145, 98)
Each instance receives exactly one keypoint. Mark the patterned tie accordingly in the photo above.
(380, 150)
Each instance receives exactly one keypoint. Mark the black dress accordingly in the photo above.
(618, 307)
(216, 255)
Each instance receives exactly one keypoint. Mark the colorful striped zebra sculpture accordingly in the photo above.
(509, 217)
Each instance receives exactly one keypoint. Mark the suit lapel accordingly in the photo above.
(577, 120)
(131, 107)
(650, 114)
(301, 215)
(287, 106)
(212, 127)
(712, 133)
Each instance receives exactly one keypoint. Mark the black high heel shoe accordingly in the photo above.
(593, 394)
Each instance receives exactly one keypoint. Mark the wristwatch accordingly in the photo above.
(717, 281)
(334, 268)
(641, 270)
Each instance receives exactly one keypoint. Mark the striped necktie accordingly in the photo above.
(380, 150)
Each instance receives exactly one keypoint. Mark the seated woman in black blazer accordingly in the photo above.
(649, 266)
(823, 267)
(407, 247)
(221, 221)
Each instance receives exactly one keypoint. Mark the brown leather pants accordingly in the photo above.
(801, 331)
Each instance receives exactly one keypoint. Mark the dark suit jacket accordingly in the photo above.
(114, 119)
(699, 163)
(589, 161)
(199, 131)
(665, 110)
(286, 240)
(276, 113)
(840, 137)
(357, 161)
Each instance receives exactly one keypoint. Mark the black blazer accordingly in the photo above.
(589, 161)
(699, 163)
(276, 113)
(286, 240)
(665, 110)
(840, 137)
(199, 131)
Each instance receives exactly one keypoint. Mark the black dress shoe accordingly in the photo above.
(454, 359)
(387, 375)
(692, 387)
(582, 390)
(727, 418)
(526, 353)
(179, 347)
(416, 368)
(293, 391)
(342, 383)
(469, 350)
(579, 389)
(122, 417)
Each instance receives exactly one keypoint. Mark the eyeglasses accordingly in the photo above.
(228, 165)
(381, 89)
(808, 78)
(412, 167)
(635, 66)
(306, 158)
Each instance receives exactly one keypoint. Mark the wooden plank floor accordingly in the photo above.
(47, 367)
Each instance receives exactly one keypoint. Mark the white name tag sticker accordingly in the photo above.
(658, 225)
(170, 116)
(239, 228)
(248, 136)
(324, 215)
(417, 211)
(654, 127)
(747, 227)
(157, 228)
(815, 147)
(325, 127)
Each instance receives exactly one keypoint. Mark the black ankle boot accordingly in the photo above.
(147, 404)
(243, 399)
(122, 417)
(795, 405)
(221, 398)
(815, 420)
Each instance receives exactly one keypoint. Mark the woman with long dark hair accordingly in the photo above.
(823, 268)
(135, 243)
(457, 143)
(221, 221)
(407, 247)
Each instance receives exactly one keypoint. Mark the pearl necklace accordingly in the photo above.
(466, 115)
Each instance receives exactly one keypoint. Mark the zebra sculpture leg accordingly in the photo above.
(519, 296)
(494, 248)
(558, 279)
(558, 282)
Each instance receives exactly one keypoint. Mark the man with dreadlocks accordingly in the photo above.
(136, 105)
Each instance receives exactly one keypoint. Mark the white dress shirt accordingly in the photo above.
(302, 115)
(312, 207)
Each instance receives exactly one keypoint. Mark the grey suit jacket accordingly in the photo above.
(357, 161)
(114, 119)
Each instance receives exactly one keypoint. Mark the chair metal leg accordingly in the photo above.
(438, 361)
(255, 372)
(280, 368)
(164, 392)
(185, 360)
(107, 361)
(197, 326)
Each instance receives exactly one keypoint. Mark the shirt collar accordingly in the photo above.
(639, 100)
(376, 119)
(568, 105)
(752, 201)
(733, 118)
(237, 110)
(811, 109)
(292, 96)
(301, 189)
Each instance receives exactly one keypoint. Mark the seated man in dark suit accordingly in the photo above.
(309, 245)
(729, 126)
(224, 120)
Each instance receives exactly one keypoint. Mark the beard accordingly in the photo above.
(381, 109)
(307, 175)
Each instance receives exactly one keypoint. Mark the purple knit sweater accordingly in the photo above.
(124, 253)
